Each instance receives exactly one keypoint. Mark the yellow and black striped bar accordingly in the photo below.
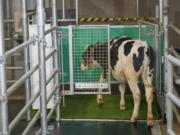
(116, 19)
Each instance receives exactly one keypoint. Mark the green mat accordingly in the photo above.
(85, 107)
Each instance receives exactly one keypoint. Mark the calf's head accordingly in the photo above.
(88, 60)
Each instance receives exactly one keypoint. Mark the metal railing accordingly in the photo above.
(171, 98)
(5, 127)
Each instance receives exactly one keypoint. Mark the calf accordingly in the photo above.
(130, 60)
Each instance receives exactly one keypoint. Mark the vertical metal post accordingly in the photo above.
(168, 68)
(139, 30)
(26, 55)
(55, 57)
(42, 64)
(161, 11)
(109, 60)
(3, 95)
(157, 56)
(169, 105)
(166, 41)
(71, 60)
(63, 9)
(137, 10)
(77, 15)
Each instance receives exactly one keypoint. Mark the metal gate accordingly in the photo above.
(151, 33)
(84, 82)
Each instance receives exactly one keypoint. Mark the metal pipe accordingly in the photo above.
(11, 81)
(177, 30)
(52, 76)
(137, 11)
(77, 15)
(31, 101)
(50, 54)
(161, 11)
(52, 110)
(173, 60)
(14, 68)
(31, 123)
(3, 95)
(42, 66)
(50, 30)
(23, 111)
(26, 56)
(8, 39)
(56, 57)
(19, 47)
(71, 60)
(31, 13)
(63, 9)
(173, 98)
(35, 118)
(149, 23)
(18, 83)
(8, 21)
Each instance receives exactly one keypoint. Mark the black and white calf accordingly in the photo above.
(130, 60)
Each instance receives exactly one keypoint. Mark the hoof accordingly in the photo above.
(122, 107)
(133, 120)
(150, 122)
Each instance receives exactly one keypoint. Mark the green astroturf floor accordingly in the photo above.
(85, 107)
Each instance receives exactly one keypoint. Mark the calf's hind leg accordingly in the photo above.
(136, 97)
(147, 79)
(122, 92)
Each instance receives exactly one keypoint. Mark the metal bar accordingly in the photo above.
(14, 68)
(52, 76)
(173, 60)
(177, 30)
(109, 60)
(35, 118)
(56, 56)
(61, 20)
(173, 98)
(63, 9)
(156, 38)
(23, 111)
(31, 123)
(52, 92)
(137, 11)
(149, 23)
(42, 66)
(13, 88)
(11, 81)
(71, 60)
(77, 15)
(28, 105)
(19, 47)
(50, 54)
(3, 93)
(50, 30)
(52, 110)
(8, 21)
(31, 13)
(26, 56)
(161, 11)
(8, 39)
